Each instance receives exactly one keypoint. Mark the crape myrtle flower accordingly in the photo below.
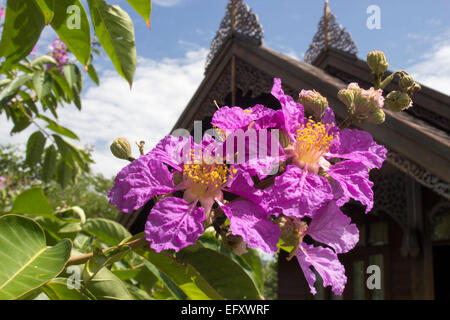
(178, 165)
(59, 52)
(324, 162)
(330, 227)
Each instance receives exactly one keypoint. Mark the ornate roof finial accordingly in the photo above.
(238, 19)
(329, 34)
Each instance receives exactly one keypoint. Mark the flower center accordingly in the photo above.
(312, 141)
(205, 180)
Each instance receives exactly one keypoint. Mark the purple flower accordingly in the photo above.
(59, 52)
(331, 227)
(346, 156)
(198, 172)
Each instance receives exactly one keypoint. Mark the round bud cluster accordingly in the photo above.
(314, 103)
(121, 149)
(377, 62)
(363, 104)
(398, 101)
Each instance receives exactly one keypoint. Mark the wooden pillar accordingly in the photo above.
(418, 244)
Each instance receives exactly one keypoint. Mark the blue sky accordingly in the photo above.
(415, 35)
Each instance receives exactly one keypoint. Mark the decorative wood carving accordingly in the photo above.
(239, 19)
(329, 34)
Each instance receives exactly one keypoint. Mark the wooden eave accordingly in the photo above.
(416, 140)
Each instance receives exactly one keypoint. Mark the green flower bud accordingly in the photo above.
(314, 103)
(235, 243)
(406, 82)
(377, 62)
(346, 96)
(397, 101)
(292, 230)
(121, 149)
(376, 117)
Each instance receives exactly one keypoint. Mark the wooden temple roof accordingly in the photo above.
(418, 140)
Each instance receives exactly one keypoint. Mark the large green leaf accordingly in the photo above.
(34, 202)
(143, 7)
(42, 83)
(183, 275)
(35, 148)
(115, 31)
(47, 10)
(107, 231)
(49, 166)
(72, 26)
(11, 89)
(24, 22)
(55, 127)
(222, 273)
(58, 289)
(250, 262)
(106, 286)
(27, 263)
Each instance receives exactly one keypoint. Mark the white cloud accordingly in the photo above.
(433, 68)
(166, 3)
(161, 91)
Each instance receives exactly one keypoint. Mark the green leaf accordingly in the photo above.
(107, 231)
(49, 166)
(59, 289)
(69, 213)
(100, 260)
(55, 127)
(35, 148)
(127, 274)
(42, 61)
(183, 275)
(221, 272)
(47, 10)
(72, 26)
(11, 89)
(75, 81)
(106, 286)
(143, 7)
(93, 74)
(24, 22)
(34, 202)
(115, 31)
(42, 84)
(64, 173)
(27, 263)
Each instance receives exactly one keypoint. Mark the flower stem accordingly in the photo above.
(85, 257)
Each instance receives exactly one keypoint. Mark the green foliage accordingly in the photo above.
(127, 270)
(30, 88)
(27, 263)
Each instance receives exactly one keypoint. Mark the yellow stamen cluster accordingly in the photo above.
(313, 140)
(248, 111)
(207, 172)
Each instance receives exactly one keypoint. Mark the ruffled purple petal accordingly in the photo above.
(138, 182)
(251, 223)
(333, 228)
(256, 151)
(230, 119)
(354, 144)
(174, 224)
(352, 181)
(329, 117)
(242, 185)
(171, 150)
(292, 111)
(327, 265)
(297, 193)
